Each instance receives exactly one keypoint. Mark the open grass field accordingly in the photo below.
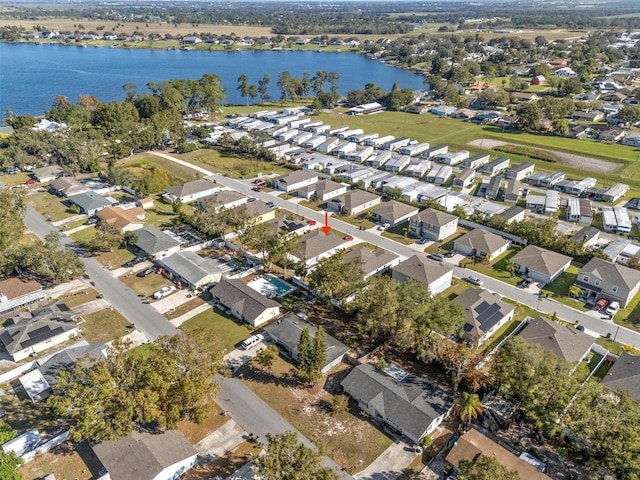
(145, 285)
(231, 164)
(103, 326)
(343, 435)
(48, 205)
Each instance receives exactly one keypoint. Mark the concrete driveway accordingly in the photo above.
(389, 465)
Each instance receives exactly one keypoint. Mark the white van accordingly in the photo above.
(252, 341)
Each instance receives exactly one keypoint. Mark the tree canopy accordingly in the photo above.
(485, 468)
(286, 459)
(155, 389)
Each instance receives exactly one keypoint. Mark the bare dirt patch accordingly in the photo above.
(569, 159)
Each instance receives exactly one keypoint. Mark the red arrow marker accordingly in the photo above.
(326, 229)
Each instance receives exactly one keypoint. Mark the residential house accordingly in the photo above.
(90, 202)
(464, 114)
(487, 209)
(464, 179)
(541, 264)
(379, 160)
(579, 210)
(366, 108)
(575, 187)
(322, 190)
(512, 192)
(155, 244)
(417, 168)
(611, 135)
(47, 174)
(147, 456)
(258, 211)
(38, 383)
(632, 140)
(520, 171)
(329, 145)
(492, 190)
(353, 202)
(564, 341)
(45, 329)
(451, 158)
(546, 180)
(16, 292)
(496, 166)
(547, 203)
(439, 174)
(413, 406)
(192, 270)
(624, 375)
(125, 220)
(485, 313)
(615, 219)
(611, 281)
(433, 151)
(513, 214)
(397, 163)
(476, 161)
(191, 40)
(481, 243)
(295, 180)
(507, 121)
(224, 199)
(286, 333)
(473, 444)
(414, 149)
(244, 302)
(586, 236)
(67, 186)
(190, 191)
(372, 262)
(316, 246)
(538, 80)
(524, 96)
(614, 97)
(437, 276)
(433, 224)
(578, 131)
(592, 116)
(392, 212)
(565, 72)
(396, 143)
(614, 193)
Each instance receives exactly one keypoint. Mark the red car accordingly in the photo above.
(348, 238)
(258, 181)
(31, 181)
(311, 222)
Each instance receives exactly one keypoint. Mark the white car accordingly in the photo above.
(384, 226)
(164, 292)
(612, 309)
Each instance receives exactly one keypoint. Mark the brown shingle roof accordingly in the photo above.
(119, 218)
(370, 260)
(422, 269)
(16, 287)
(540, 260)
(434, 217)
(316, 243)
(472, 444)
(482, 240)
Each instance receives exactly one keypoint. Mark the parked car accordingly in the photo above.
(164, 292)
(384, 226)
(438, 257)
(251, 199)
(256, 189)
(91, 221)
(31, 181)
(475, 281)
(613, 308)
(146, 272)
(271, 205)
(258, 181)
(348, 238)
(422, 241)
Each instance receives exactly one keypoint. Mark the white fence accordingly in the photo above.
(16, 372)
(46, 446)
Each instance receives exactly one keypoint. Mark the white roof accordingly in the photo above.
(34, 383)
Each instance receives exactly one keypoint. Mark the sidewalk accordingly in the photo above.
(190, 314)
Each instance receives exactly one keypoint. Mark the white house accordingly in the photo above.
(244, 302)
(433, 224)
(437, 276)
(190, 191)
(295, 180)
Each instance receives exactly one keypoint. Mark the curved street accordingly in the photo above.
(593, 321)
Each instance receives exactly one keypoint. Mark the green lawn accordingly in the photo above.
(496, 268)
(400, 233)
(232, 164)
(83, 237)
(103, 326)
(145, 285)
(358, 220)
(629, 316)
(16, 179)
(48, 205)
(458, 287)
(559, 288)
(502, 333)
(227, 329)
(616, 347)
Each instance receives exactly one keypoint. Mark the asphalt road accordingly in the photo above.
(594, 322)
(255, 416)
(144, 317)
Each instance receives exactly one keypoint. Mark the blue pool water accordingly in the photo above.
(282, 287)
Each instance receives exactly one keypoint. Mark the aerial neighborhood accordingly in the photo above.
(429, 284)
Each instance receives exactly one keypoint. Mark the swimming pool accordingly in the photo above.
(271, 286)
(282, 287)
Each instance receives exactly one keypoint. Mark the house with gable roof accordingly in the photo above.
(244, 302)
(481, 243)
(155, 243)
(392, 212)
(611, 281)
(372, 261)
(541, 264)
(485, 313)
(624, 375)
(411, 405)
(564, 341)
(190, 191)
(315, 246)
(433, 224)
(16, 292)
(437, 276)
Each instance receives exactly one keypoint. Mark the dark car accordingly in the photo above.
(438, 257)
(146, 272)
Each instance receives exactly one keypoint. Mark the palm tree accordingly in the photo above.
(510, 267)
(468, 406)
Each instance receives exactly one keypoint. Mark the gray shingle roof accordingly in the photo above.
(66, 359)
(611, 273)
(482, 240)
(316, 243)
(585, 234)
(190, 188)
(412, 404)
(244, 299)
(434, 217)
(561, 340)
(296, 177)
(483, 310)
(624, 375)
(422, 269)
(143, 456)
(222, 198)
(288, 330)
(355, 198)
(370, 260)
(540, 260)
(394, 210)
(152, 241)
(26, 334)
(191, 266)
(322, 187)
(89, 201)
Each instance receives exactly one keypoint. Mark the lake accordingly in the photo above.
(32, 75)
